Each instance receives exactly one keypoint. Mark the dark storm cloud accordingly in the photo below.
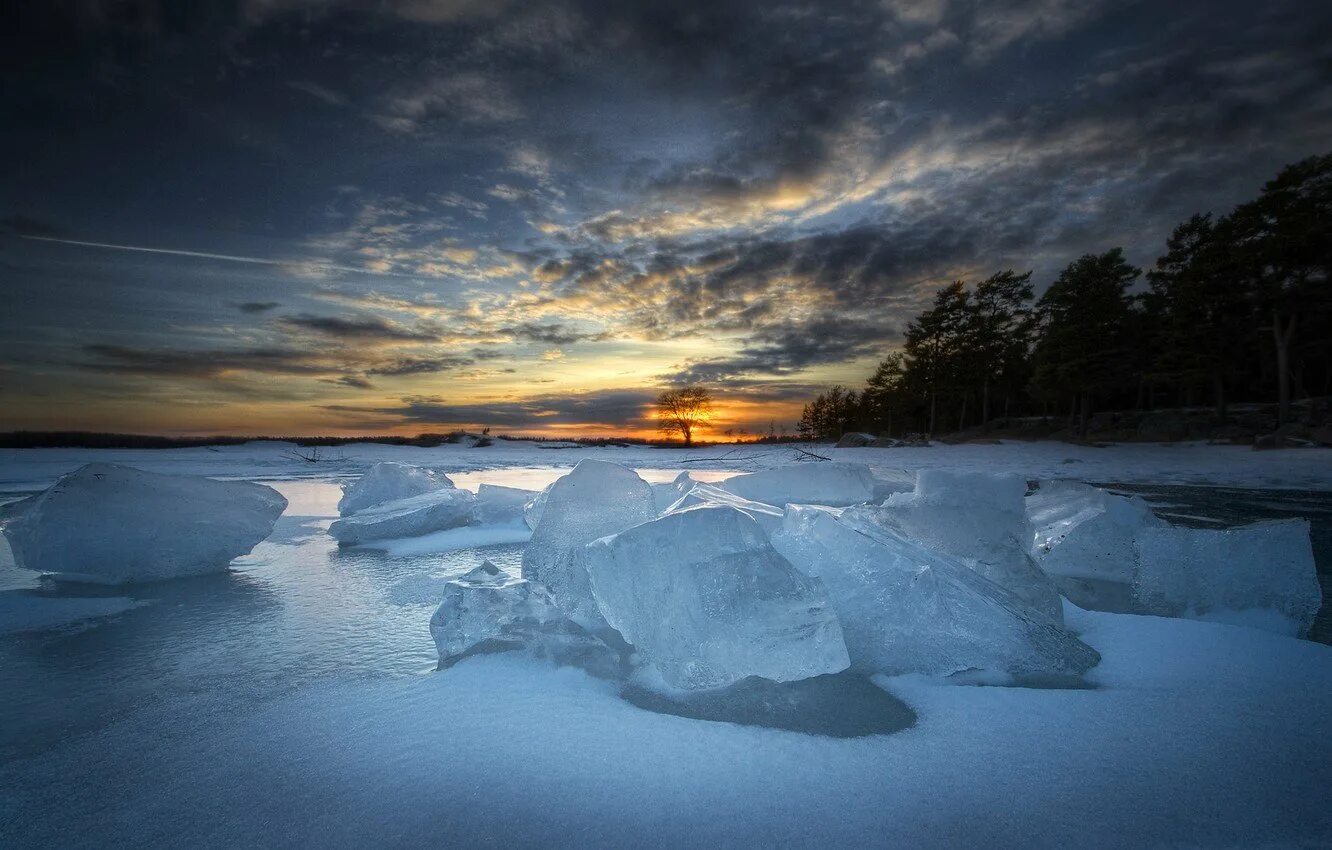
(187, 363)
(354, 381)
(420, 365)
(791, 348)
(362, 328)
(553, 333)
(616, 407)
(257, 306)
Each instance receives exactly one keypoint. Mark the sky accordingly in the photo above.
(400, 216)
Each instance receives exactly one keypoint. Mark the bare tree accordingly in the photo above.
(682, 410)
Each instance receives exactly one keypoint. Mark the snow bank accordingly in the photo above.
(706, 601)
(1259, 575)
(976, 517)
(834, 484)
(595, 499)
(433, 511)
(113, 524)
(389, 482)
(489, 610)
(905, 609)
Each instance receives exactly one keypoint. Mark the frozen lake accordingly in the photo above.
(294, 701)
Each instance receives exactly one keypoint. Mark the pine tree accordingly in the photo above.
(1084, 346)
(1197, 291)
(1284, 239)
(1000, 332)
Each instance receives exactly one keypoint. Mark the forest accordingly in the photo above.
(1237, 310)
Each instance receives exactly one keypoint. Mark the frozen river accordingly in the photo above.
(294, 701)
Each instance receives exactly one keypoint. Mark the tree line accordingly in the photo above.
(1236, 309)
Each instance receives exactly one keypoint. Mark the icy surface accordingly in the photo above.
(497, 504)
(453, 539)
(905, 609)
(429, 512)
(389, 482)
(978, 518)
(595, 499)
(835, 484)
(112, 524)
(534, 507)
(1230, 575)
(706, 601)
(1082, 531)
(667, 494)
(768, 517)
(490, 610)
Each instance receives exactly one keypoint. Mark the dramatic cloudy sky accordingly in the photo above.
(339, 216)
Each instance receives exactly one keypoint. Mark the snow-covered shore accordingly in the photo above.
(288, 701)
(1144, 463)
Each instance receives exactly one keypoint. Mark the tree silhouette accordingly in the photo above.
(1285, 240)
(680, 411)
(1084, 316)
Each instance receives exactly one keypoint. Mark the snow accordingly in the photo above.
(768, 517)
(490, 610)
(706, 601)
(389, 482)
(23, 611)
(111, 524)
(978, 518)
(1259, 575)
(1197, 734)
(835, 484)
(436, 510)
(905, 609)
(595, 499)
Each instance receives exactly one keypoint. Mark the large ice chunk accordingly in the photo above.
(905, 609)
(113, 524)
(835, 484)
(389, 482)
(1083, 539)
(706, 601)
(429, 512)
(768, 517)
(497, 504)
(1260, 575)
(978, 518)
(665, 495)
(489, 610)
(595, 499)
(536, 506)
